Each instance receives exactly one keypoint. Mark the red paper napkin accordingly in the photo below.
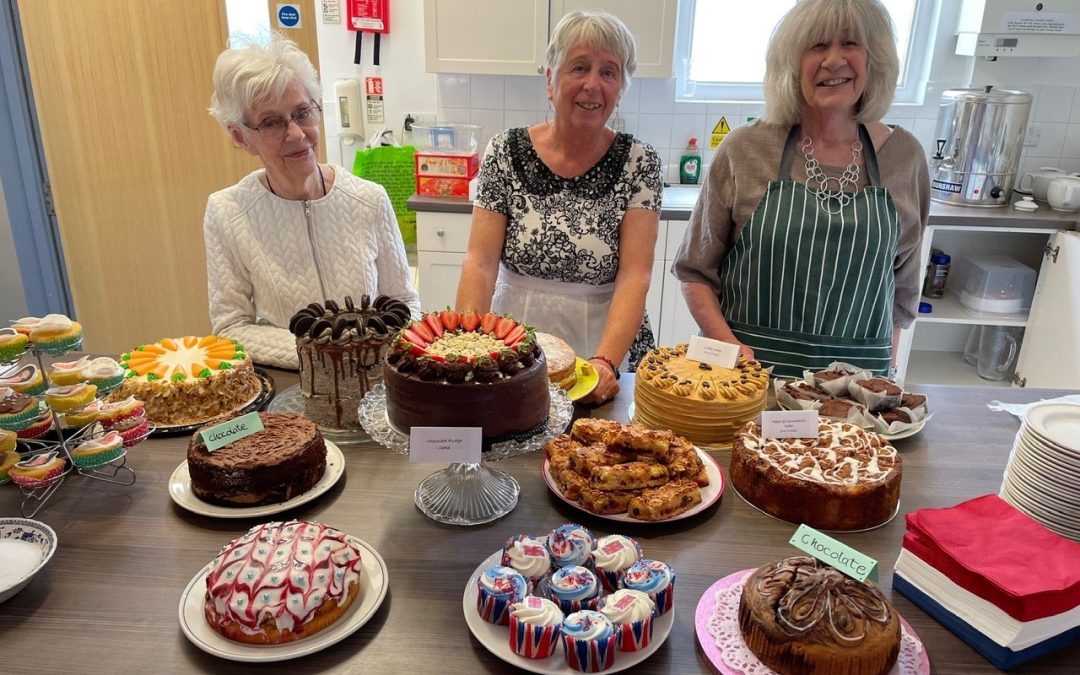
(1000, 554)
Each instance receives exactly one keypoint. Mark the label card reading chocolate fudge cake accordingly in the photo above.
(835, 554)
(220, 435)
(712, 352)
(445, 445)
(789, 424)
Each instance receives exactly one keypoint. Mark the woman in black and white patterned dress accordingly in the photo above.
(567, 211)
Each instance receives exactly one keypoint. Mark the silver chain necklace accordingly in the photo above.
(830, 199)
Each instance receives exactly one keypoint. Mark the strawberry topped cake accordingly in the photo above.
(467, 370)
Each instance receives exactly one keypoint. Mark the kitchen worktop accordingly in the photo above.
(679, 202)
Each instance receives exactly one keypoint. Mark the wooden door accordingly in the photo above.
(121, 89)
(1049, 356)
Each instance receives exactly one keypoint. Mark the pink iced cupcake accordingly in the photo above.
(613, 555)
(589, 641)
(535, 627)
(632, 614)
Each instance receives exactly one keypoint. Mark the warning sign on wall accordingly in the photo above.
(373, 96)
(718, 133)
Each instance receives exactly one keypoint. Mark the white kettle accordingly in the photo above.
(1038, 182)
(1064, 193)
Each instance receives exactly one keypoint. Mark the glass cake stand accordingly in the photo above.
(466, 494)
(292, 401)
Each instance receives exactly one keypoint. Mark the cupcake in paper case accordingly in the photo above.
(528, 556)
(133, 428)
(62, 373)
(17, 410)
(655, 579)
(535, 627)
(8, 459)
(38, 470)
(589, 641)
(574, 588)
(80, 418)
(570, 544)
(631, 612)
(8, 441)
(104, 372)
(114, 412)
(98, 451)
(25, 380)
(613, 555)
(12, 344)
(498, 588)
(56, 334)
(38, 428)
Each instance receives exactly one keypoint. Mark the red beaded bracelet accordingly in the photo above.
(610, 363)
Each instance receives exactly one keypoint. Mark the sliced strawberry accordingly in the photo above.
(422, 329)
(470, 320)
(504, 326)
(450, 319)
(436, 357)
(414, 337)
(413, 349)
(516, 335)
(488, 321)
(432, 322)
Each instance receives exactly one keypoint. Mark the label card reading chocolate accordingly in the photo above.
(220, 435)
(712, 352)
(835, 554)
(789, 424)
(445, 445)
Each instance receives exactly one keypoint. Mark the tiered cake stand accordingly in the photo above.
(465, 494)
(113, 471)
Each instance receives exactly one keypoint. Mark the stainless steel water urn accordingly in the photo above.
(980, 133)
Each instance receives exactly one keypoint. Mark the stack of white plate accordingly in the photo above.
(1042, 478)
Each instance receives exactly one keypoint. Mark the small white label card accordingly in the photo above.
(220, 435)
(445, 445)
(712, 352)
(789, 424)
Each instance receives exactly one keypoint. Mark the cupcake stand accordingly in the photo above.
(113, 470)
(465, 494)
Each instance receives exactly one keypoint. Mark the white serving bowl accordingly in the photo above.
(25, 547)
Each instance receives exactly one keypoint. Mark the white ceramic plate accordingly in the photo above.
(374, 581)
(709, 494)
(181, 493)
(497, 638)
(25, 547)
(1057, 422)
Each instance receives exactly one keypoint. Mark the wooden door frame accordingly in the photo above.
(25, 179)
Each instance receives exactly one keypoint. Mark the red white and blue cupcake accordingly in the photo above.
(655, 579)
(528, 556)
(574, 588)
(535, 627)
(570, 544)
(589, 641)
(613, 555)
(632, 614)
(499, 587)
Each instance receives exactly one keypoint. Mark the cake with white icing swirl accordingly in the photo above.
(801, 617)
(847, 478)
(282, 582)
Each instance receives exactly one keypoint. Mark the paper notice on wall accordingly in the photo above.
(373, 96)
(331, 11)
(1039, 22)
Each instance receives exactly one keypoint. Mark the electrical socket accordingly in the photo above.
(1032, 134)
(419, 118)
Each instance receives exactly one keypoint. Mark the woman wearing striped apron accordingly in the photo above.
(803, 246)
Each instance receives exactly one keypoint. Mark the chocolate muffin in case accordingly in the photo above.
(876, 393)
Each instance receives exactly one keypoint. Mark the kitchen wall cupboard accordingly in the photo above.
(509, 37)
(932, 350)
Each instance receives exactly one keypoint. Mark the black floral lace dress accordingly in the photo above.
(567, 229)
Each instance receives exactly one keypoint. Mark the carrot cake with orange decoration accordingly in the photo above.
(190, 379)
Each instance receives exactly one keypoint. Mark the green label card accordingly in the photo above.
(220, 435)
(831, 552)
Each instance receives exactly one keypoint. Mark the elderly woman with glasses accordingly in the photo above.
(803, 247)
(567, 211)
(295, 231)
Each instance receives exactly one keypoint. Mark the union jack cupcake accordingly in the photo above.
(535, 627)
(499, 587)
(570, 544)
(632, 614)
(574, 588)
(613, 555)
(528, 556)
(589, 641)
(655, 579)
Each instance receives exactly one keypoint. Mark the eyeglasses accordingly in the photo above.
(278, 126)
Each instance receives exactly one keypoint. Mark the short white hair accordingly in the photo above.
(594, 29)
(814, 21)
(243, 77)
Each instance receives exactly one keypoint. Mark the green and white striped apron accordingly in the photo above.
(804, 287)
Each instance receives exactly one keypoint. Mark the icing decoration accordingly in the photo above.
(842, 454)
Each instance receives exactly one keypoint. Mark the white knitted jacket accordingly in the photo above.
(267, 257)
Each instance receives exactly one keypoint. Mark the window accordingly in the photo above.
(249, 23)
(720, 52)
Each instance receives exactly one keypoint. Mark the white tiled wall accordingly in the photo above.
(649, 111)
